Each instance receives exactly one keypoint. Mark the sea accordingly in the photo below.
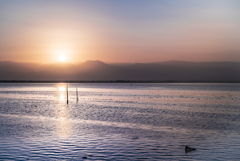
(119, 121)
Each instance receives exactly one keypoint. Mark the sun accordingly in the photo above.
(61, 54)
(62, 58)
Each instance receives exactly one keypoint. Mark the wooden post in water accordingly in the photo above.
(77, 93)
(67, 93)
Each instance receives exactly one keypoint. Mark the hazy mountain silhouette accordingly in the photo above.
(97, 70)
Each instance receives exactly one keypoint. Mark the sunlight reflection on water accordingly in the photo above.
(62, 89)
(119, 122)
(63, 124)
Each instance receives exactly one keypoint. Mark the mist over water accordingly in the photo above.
(119, 121)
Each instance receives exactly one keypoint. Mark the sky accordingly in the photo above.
(119, 31)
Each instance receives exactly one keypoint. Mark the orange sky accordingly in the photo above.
(119, 31)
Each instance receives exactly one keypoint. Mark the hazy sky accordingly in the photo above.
(119, 31)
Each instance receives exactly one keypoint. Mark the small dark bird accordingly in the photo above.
(188, 149)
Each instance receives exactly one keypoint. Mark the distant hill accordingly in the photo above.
(97, 70)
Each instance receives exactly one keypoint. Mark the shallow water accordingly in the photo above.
(119, 121)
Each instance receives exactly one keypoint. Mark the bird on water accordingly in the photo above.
(189, 149)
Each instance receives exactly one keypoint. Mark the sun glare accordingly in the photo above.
(62, 58)
(61, 54)
(61, 89)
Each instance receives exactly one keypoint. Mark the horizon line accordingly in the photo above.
(122, 62)
(116, 81)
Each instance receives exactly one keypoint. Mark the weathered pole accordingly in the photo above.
(77, 93)
(67, 93)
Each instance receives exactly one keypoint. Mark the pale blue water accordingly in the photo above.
(119, 121)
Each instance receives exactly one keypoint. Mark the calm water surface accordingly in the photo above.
(119, 121)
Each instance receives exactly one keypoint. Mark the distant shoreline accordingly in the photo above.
(112, 81)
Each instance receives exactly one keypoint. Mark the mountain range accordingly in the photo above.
(100, 71)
